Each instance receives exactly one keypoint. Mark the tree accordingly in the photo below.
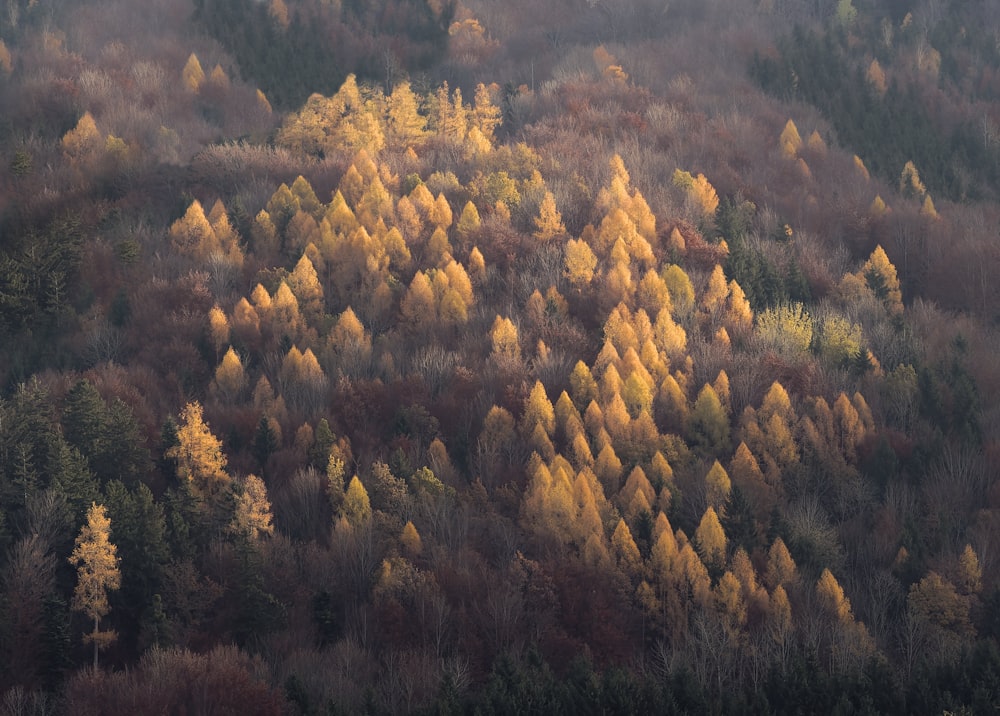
(790, 142)
(707, 423)
(304, 283)
(681, 289)
(230, 377)
(418, 307)
(138, 529)
(880, 275)
(786, 328)
(199, 455)
(698, 190)
(717, 485)
(96, 560)
(406, 126)
(626, 552)
(356, 509)
(410, 541)
(192, 75)
(580, 263)
(83, 140)
(193, 236)
(506, 346)
(711, 539)
(538, 410)
(831, 597)
(909, 182)
(469, 221)
(6, 65)
(582, 385)
(548, 223)
(252, 514)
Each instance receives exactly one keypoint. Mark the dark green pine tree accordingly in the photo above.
(265, 442)
(84, 420)
(184, 521)
(168, 440)
(126, 456)
(57, 652)
(323, 441)
(738, 521)
(71, 477)
(139, 529)
(25, 428)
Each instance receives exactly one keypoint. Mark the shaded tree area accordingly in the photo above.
(891, 123)
(607, 388)
(292, 51)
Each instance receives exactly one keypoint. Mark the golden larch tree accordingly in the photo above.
(199, 455)
(548, 223)
(880, 275)
(252, 514)
(356, 508)
(96, 560)
(710, 538)
(790, 142)
(410, 541)
(83, 140)
(579, 262)
(717, 485)
(538, 410)
(192, 75)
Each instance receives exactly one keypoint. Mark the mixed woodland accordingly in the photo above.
(437, 356)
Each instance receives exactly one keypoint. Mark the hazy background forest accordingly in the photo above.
(418, 356)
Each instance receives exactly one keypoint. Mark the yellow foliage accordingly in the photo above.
(710, 538)
(504, 339)
(781, 567)
(789, 141)
(579, 262)
(878, 207)
(96, 560)
(717, 485)
(199, 454)
(876, 78)
(970, 575)
(548, 223)
(356, 509)
(816, 143)
(410, 541)
(625, 549)
(469, 220)
(716, 292)
(831, 598)
(279, 13)
(192, 75)
(927, 209)
(538, 409)
(252, 512)
(909, 182)
(862, 169)
(230, 377)
(699, 190)
(83, 140)
(6, 62)
(880, 275)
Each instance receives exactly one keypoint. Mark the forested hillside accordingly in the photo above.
(419, 356)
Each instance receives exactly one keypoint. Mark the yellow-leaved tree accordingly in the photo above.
(96, 560)
(199, 455)
(252, 515)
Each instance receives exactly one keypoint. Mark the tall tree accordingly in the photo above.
(96, 560)
(199, 455)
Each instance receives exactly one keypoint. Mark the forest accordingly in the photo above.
(463, 357)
